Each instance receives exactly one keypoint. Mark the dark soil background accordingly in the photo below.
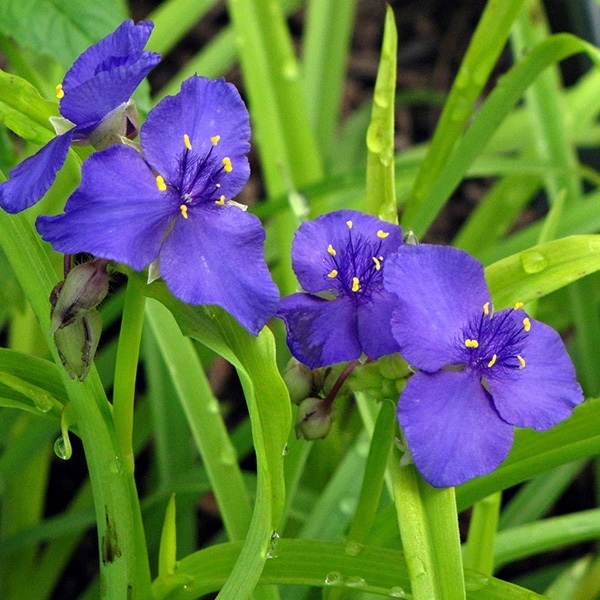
(433, 37)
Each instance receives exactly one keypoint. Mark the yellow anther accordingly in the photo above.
(227, 165)
(355, 284)
(486, 308)
(333, 274)
(377, 263)
(518, 305)
(349, 224)
(186, 141)
(526, 324)
(215, 139)
(471, 343)
(160, 183)
(183, 209)
(382, 234)
(493, 361)
(521, 361)
(220, 201)
(331, 250)
(59, 91)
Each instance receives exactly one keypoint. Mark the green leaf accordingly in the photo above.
(500, 102)
(270, 413)
(381, 190)
(60, 29)
(24, 111)
(485, 47)
(542, 269)
(379, 571)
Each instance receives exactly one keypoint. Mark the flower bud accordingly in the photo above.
(299, 380)
(84, 288)
(315, 416)
(77, 343)
(122, 122)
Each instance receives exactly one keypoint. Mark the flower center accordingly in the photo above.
(494, 343)
(355, 267)
(198, 177)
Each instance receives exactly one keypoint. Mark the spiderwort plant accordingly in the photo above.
(95, 106)
(345, 310)
(480, 373)
(173, 204)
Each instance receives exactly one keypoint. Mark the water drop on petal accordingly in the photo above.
(334, 578)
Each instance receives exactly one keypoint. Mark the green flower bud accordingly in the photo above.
(84, 288)
(315, 416)
(77, 343)
(299, 380)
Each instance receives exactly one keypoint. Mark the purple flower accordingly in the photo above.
(481, 373)
(173, 204)
(338, 259)
(94, 101)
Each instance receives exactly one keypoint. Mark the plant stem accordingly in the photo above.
(479, 553)
(126, 369)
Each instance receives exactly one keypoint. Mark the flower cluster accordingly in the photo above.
(168, 206)
(479, 373)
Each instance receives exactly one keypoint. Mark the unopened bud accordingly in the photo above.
(77, 343)
(315, 416)
(84, 288)
(299, 380)
(122, 122)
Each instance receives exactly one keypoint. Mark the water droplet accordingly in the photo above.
(474, 583)
(347, 505)
(43, 403)
(272, 549)
(353, 548)
(228, 456)
(116, 465)
(375, 139)
(533, 261)
(397, 592)
(354, 581)
(285, 450)
(462, 79)
(213, 407)
(61, 448)
(381, 98)
(334, 578)
(290, 71)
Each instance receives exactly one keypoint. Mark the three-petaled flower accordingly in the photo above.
(481, 373)
(173, 204)
(338, 259)
(94, 101)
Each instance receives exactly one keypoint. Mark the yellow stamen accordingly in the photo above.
(486, 308)
(518, 305)
(333, 274)
(215, 139)
(382, 234)
(220, 201)
(471, 343)
(331, 250)
(227, 165)
(355, 284)
(60, 93)
(160, 183)
(183, 209)
(493, 361)
(521, 361)
(377, 263)
(349, 224)
(526, 324)
(186, 141)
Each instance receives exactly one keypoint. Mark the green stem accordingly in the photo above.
(124, 561)
(126, 369)
(428, 524)
(479, 554)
